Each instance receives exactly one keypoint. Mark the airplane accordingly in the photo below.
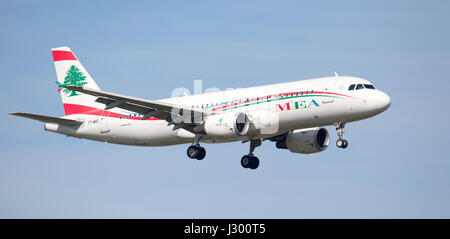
(292, 114)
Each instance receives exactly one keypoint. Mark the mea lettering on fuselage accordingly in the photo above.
(296, 105)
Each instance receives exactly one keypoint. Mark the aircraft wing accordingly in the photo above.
(149, 108)
(48, 119)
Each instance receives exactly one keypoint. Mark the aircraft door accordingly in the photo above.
(329, 86)
(104, 127)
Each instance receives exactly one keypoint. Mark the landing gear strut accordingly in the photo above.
(195, 151)
(250, 161)
(341, 143)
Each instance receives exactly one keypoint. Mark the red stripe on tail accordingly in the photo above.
(63, 56)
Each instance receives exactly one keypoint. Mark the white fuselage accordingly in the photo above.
(298, 105)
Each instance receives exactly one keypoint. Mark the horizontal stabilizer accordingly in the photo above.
(47, 119)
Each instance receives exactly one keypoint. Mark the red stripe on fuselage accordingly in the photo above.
(331, 93)
(72, 109)
(281, 94)
(63, 56)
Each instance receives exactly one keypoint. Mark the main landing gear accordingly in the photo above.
(195, 151)
(250, 161)
(341, 143)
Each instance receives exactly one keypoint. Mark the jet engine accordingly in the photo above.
(242, 124)
(227, 125)
(305, 141)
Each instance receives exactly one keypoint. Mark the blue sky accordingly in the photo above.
(396, 166)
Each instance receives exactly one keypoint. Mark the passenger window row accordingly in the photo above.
(129, 116)
(249, 100)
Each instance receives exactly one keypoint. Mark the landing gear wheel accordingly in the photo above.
(339, 143)
(342, 143)
(254, 163)
(196, 152)
(201, 154)
(193, 152)
(345, 144)
(245, 161)
(248, 161)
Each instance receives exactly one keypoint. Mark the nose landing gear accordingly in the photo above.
(341, 143)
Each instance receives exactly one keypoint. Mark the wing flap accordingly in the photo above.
(147, 112)
(47, 119)
(157, 109)
(124, 105)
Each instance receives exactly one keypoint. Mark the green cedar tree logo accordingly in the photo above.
(74, 77)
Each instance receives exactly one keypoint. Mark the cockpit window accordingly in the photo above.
(352, 87)
(359, 86)
(368, 86)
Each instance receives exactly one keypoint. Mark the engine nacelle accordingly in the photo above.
(263, 122)
(306, 141)
(227, 125)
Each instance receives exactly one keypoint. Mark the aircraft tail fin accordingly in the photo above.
(70, 71)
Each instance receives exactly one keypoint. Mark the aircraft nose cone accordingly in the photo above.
(383, 101)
